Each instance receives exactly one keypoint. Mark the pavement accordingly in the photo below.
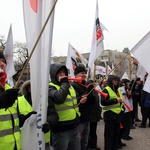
(140, 141)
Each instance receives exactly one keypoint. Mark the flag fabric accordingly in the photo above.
(100, 70)
(97, 46)
(125, 76)
(108, 70)
(141, 72)
(35, 14)
(8, 53)
(147, 83)
(141, 51)
(73, 59)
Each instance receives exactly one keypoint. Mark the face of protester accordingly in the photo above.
(115, 81)
(61, 73)
(81, 74)
(2, 64)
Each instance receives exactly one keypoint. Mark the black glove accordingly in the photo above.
(64, 79)
(22, 118)
(29, 114)
(8, 97)
(46, 127)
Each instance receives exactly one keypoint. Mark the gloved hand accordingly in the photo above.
(63, 79)
(46, 127)
(29, 114)
(8, 97)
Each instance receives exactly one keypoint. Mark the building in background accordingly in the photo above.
(112, 57)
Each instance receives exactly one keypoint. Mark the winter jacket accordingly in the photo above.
(59, 96)
(110, 115)
(85, 109)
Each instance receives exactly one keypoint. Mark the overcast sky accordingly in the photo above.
(127, 22)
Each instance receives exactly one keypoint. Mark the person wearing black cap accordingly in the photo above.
(113, 110)
(82, 90)
(65, 134)
(9, 121)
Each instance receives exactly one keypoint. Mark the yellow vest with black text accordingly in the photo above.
(116, 108)
(25, 108)
(9, 127)
(67, 110)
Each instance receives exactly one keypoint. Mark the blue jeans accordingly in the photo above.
(67, 140)
(84, 129)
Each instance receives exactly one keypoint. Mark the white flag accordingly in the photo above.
(100, 70)
(147, 84)
(125, 76)
(141, 51)
(8, 53)
(35, 15)
(97, 46)
(73, 59)
(141, 72)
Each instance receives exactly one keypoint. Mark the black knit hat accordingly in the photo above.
(2, 56)
(79, 69)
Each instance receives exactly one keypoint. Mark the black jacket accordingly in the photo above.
(59, 97)
(86, 107)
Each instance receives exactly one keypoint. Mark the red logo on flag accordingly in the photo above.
(34, 5)
(98, 30)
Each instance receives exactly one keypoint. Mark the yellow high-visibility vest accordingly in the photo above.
(9, 127)
(67, 110)
(116, 108)
(25, 108)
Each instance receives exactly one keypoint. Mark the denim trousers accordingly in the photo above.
(67, 140)
(84, 129)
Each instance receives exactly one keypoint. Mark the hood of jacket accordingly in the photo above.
(54, 68)
(110, 84)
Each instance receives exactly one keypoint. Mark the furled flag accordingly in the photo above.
(73, 59)
(8, 52)
(97, 46)
(108, 70)
(141, 51)
(141, 72)
(35, 14)
(146, 85)
(125, 76)
(100, 70)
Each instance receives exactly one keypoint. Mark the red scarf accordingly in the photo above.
(3, 77)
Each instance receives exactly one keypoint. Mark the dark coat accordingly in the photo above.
(59, 97)
(86, 108)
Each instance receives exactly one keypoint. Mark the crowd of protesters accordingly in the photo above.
(74, 110)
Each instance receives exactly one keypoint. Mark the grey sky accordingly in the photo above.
(126, 20)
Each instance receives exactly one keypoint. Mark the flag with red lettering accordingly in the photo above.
(35, 14)
(100, 70)
(97, 46)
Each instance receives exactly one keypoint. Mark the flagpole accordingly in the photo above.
(17, 83)
(106, 75)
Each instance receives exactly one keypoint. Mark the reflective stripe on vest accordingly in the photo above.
(116, 108)
(9, 135)
(67, 111)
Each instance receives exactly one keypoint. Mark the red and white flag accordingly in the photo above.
(35, 14)
(141, 51)
(97, 46)
(73, 59)
(8, 53)
(100, 70)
